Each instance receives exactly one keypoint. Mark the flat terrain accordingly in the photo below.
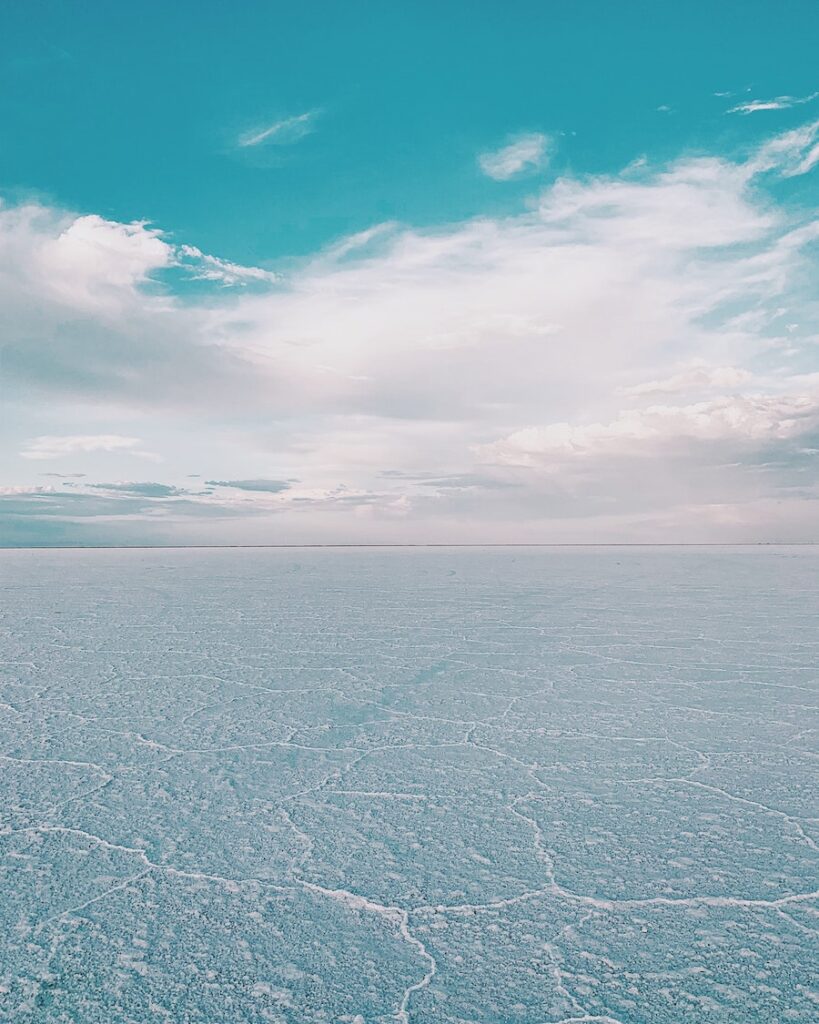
(435, 786)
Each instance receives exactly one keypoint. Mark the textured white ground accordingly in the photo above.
(516, 786)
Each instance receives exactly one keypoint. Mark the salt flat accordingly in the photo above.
(516, 786)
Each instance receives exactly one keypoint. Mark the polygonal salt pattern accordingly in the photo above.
(519, 786)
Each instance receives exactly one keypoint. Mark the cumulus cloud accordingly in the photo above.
(88, 260)
(89, 311)
(522, 154)
(88, 263)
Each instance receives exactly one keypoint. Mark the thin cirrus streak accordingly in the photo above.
(283, 132)
(778, 103)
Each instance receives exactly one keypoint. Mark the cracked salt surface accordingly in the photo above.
(431, 787)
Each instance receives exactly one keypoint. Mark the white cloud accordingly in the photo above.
(92, 264)
(50, 446)
(506, 340)
(524, 153)
(211, 268)
(91, 259)
(810, 160)
(740, 419)
(281, 133)
(779, 103)
(789, 153)
(699, 376)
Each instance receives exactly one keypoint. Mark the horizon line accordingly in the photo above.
(420, 544)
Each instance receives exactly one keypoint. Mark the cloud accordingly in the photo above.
(268, 486)
(211, 268)
(788, 154)
(624, 254)
(91, 260)
(484, 361)
(737, 419)
(779, 103)
(94, 265)
(697, 377)
(38, 516)
(523, 154)
(52, 446)
(281, 133)
(465, 482)
(88, 310)
(807, 163)
(145, 489)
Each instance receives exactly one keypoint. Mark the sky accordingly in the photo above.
(409, 272)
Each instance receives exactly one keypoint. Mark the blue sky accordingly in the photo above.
(408, 272)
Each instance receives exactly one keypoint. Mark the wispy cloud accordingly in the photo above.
(699, 376)
(203, 267)
(789, 154)
(262, 485)
(778, 103)
(810, 160)
(144, 489)
(725, 420)
(51, 446)
(281, 133)
(523, 154)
